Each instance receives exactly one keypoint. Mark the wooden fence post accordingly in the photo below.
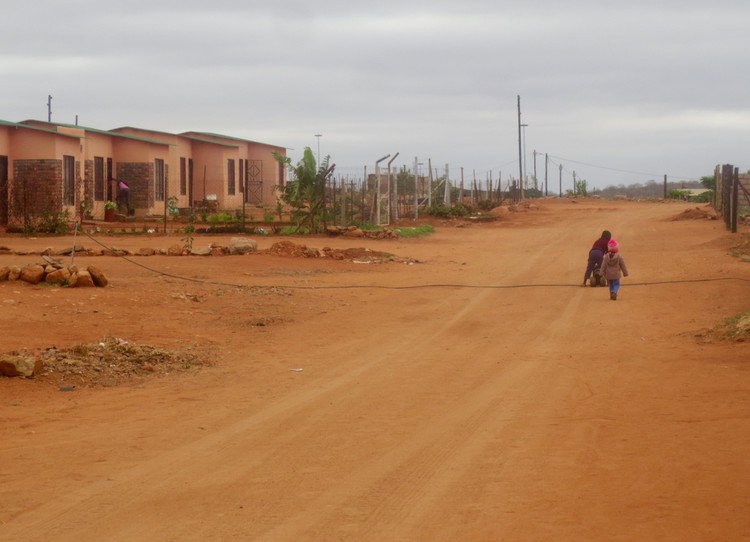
(727, 172)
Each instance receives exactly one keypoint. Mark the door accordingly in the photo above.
(254, 182)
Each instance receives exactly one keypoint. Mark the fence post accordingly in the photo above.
(727, 171)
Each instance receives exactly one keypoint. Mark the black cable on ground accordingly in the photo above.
(412, 287)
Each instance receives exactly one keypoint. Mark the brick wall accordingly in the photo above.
(139, 176)
(35, 189)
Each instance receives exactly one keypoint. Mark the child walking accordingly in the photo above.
(613, 266)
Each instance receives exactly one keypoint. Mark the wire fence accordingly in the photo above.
(732, 194)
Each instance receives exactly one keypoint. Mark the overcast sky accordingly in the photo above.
(619, 92)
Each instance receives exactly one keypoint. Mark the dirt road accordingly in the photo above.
(480, 394)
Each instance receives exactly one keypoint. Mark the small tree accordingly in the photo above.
(709, 182)
(306, 193)
(581, 187)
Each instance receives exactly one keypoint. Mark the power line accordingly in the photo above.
(657, 175)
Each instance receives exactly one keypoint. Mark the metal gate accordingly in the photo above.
(254, 182)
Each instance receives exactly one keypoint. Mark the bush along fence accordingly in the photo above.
(732, 194)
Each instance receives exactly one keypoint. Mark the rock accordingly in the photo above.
(200, 251)
(73, 278)
(4, 272)
(68, 251)
(33, 274)
(174, 250)
(58, 276)
(57, 264)
(114, 251)
(97, 276)
(242, 245)
(20, 365)
(354, 232)
(219, 251)
(146, 251)
(84, 279)
(15, 272)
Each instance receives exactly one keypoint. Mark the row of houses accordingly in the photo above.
(54, 168)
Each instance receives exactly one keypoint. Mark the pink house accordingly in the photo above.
(40, 171)
(224, 171)
(62, 168)
(252, 174)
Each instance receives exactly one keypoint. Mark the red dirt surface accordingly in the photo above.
(469, 389)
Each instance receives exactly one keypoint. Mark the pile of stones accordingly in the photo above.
(54, 272)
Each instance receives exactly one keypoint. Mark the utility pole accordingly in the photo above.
(546, 164)
(49, 108)
(535, 182)
(520, 155)
(575, 187)
(560, 180)
(318, 136)
(525, 178)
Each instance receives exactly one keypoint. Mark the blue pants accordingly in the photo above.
(614, 286)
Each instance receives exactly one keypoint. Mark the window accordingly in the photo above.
(230, 177)
(190, 181)
(159, 179)
(183, 177)
(98, 178)
(69, 180)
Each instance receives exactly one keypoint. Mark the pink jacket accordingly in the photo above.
(612, 265)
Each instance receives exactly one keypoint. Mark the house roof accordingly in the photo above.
(36, 128)
(98, 131)
(211, 134)
(191, 137)
(203, 137)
